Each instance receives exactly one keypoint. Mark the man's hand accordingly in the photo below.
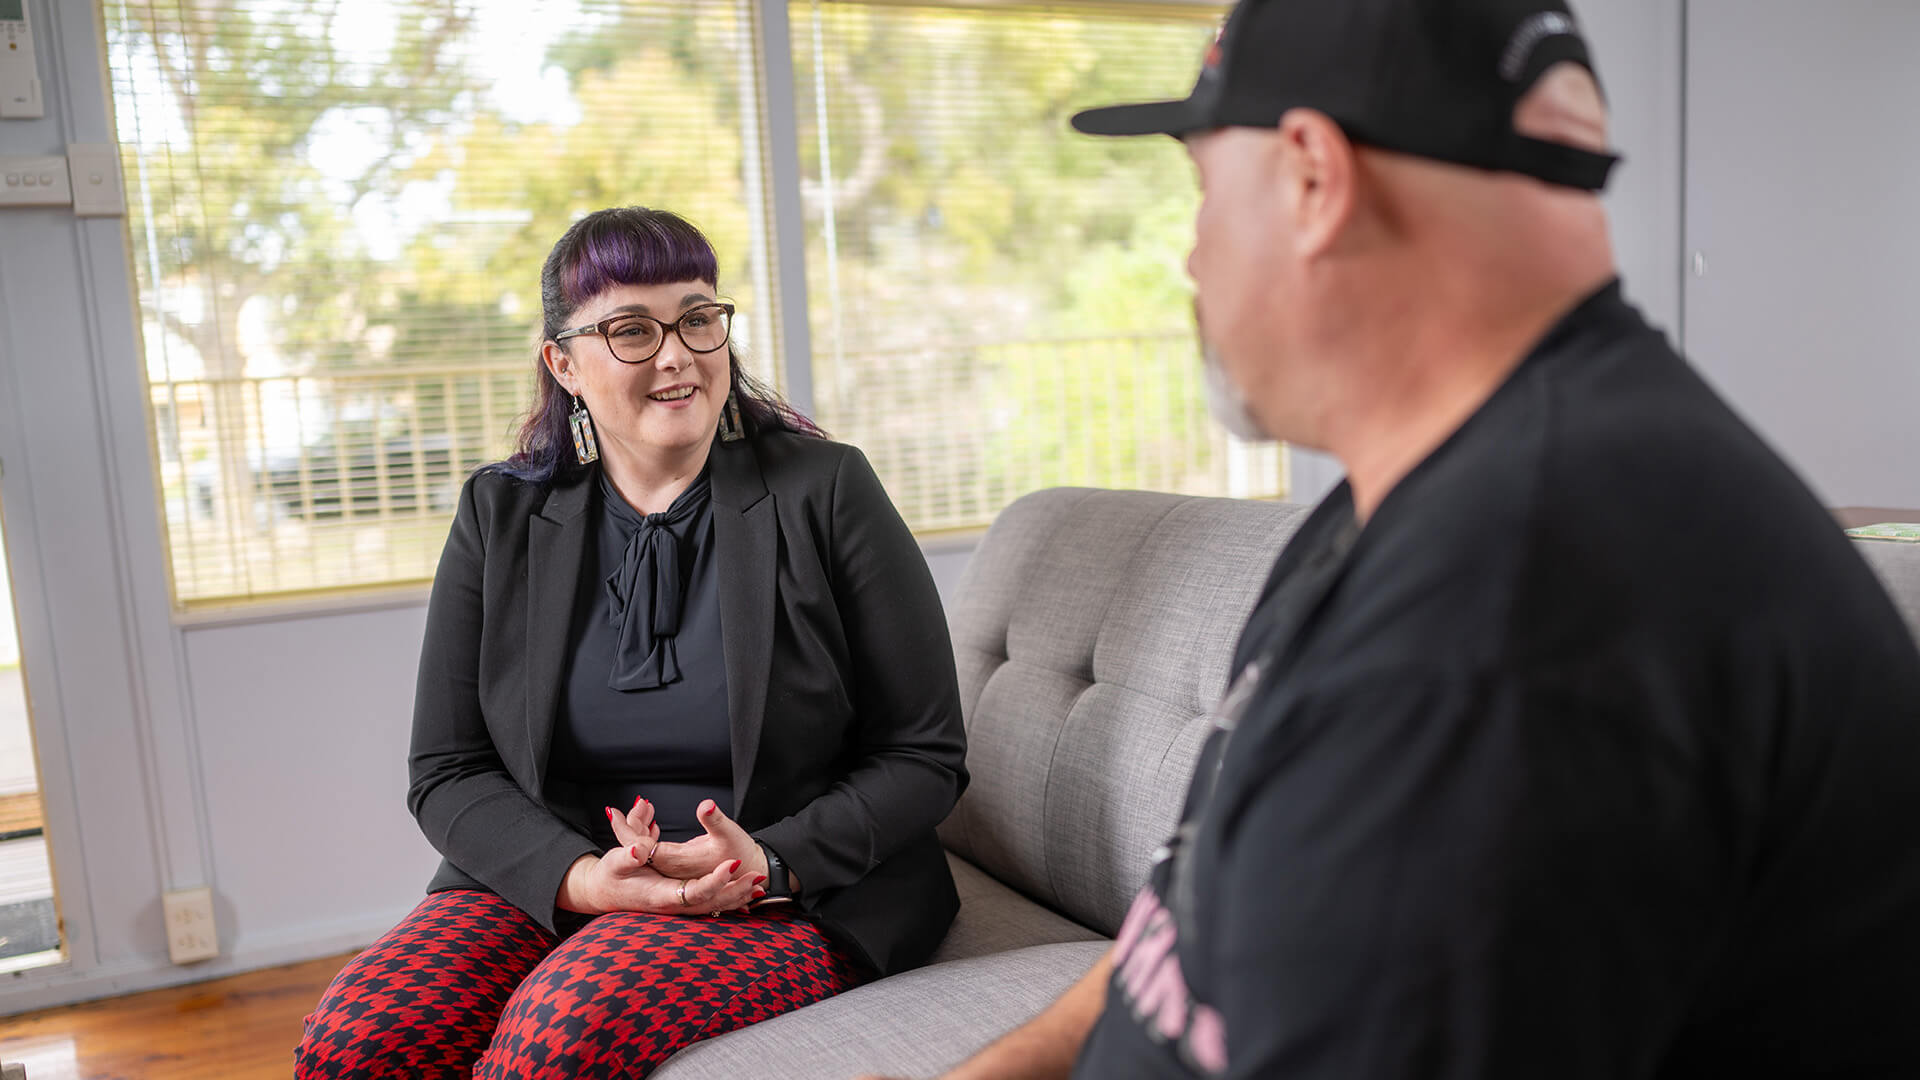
(1045, 1047)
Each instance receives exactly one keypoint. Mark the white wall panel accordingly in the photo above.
(303, 741)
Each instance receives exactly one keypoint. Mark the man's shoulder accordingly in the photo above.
(1656, 497)
(1604, 489)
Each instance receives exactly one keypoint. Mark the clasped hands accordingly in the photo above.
(721, 870)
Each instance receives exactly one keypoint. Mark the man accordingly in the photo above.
(1571, 739)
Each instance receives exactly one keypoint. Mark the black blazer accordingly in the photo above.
(841, 694)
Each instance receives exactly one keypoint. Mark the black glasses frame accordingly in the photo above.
(600, 328)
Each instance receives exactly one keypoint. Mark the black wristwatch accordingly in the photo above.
(779, 887)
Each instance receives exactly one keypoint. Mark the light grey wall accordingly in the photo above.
(303, 751)
(1803, 197)
(947, 560)
(1637, 47)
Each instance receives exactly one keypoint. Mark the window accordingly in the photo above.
(999, 304)
(338, 213)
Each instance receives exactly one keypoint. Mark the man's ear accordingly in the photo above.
(1318, 175)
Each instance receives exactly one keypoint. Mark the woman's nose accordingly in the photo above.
(673, 354)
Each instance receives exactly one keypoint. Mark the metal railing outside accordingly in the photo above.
(278, 484)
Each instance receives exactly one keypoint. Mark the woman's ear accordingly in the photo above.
(559, 365)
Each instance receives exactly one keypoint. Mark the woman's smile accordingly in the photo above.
(675, 396)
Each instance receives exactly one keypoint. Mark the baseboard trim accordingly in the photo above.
(50, 987)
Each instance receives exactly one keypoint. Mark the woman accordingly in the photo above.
(687, 713)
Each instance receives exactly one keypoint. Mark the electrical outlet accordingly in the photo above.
(190, 931)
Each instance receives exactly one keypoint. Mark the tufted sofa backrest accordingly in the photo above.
(1093, 632)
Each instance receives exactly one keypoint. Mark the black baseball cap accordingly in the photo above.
(1436, 78)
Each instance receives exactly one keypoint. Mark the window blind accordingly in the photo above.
(997, 303)
(338, 215)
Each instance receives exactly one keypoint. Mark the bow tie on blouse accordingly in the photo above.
(647, 590)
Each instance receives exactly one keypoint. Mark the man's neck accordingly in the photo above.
(1426, 375)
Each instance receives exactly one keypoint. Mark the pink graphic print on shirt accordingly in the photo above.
(1147, 971)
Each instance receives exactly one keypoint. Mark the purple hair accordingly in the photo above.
(627, 245)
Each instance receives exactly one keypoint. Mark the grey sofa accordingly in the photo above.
(1093, 631)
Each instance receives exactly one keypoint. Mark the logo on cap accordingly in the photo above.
(1210, 61)
(1536, 29)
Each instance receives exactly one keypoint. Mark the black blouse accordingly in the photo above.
(644, 707)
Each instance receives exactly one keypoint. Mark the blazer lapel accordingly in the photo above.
(746, 538)
(556, 546)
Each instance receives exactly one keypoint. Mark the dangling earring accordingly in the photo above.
(730, 427)
(584, 447)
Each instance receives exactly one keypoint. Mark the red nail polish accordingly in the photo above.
(758, 893)
(760, 879)
(635, 849)
(735, 868)
(611, 811)
(637, 800)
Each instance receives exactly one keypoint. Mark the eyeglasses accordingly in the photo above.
(636, 339)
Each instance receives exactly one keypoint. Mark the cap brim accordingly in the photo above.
(1174, 118)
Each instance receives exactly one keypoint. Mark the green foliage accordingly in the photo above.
(948, 132)
(1136, 381)
(998, 273)
(243, 208)
(646, 135)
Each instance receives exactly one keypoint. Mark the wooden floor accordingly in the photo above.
(20, 812)
(241, 1028)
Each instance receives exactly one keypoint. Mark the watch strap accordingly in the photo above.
(778, 883)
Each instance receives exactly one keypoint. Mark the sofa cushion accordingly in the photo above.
(918, 1023)
(1898, 565)
(994, 918)
(1093, 630)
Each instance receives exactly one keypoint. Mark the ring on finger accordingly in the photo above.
(650, 851)
(683, 895)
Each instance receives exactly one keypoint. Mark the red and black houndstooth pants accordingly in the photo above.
(468, 985)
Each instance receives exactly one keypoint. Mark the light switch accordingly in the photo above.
(95, 172)
(35, 180)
